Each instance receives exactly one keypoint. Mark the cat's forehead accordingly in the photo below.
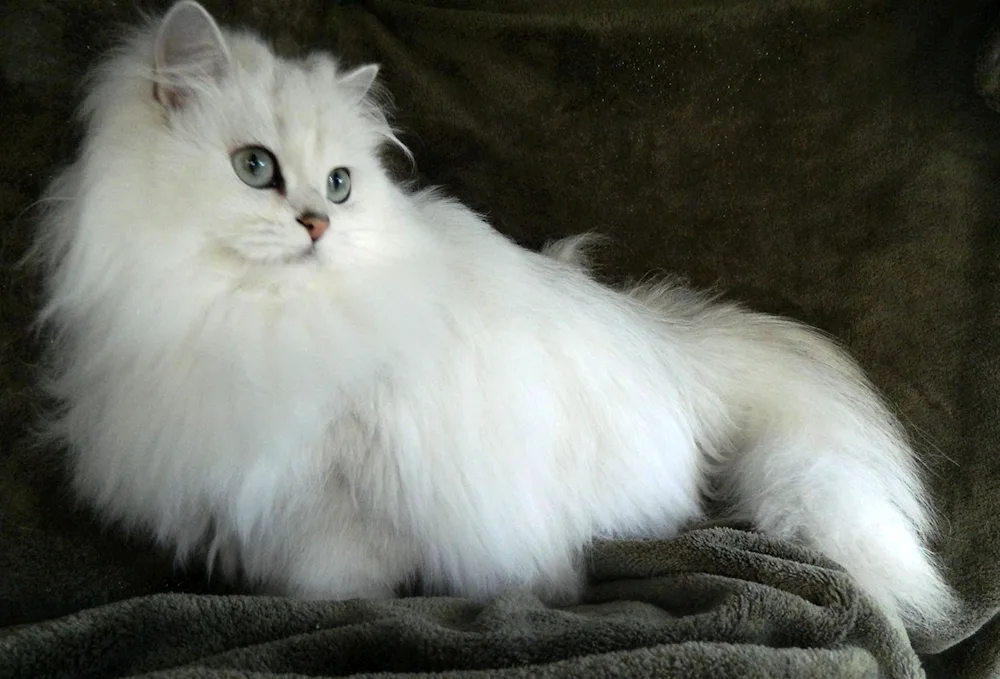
(294, 98)
(314, 78)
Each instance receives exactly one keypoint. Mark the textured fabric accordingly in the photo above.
(831, 160)
(714, 603)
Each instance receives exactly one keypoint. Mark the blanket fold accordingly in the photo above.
(712, 603)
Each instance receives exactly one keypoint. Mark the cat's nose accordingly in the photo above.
(315, 223)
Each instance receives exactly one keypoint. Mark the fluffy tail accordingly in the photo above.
(820, 458)
(808, 451)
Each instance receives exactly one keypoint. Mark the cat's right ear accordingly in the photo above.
(189, 51)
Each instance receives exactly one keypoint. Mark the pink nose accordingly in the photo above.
(315, 224)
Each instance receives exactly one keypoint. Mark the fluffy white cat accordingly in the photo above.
(270, 354)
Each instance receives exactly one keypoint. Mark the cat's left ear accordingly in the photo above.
(360, 80)
(189, 50)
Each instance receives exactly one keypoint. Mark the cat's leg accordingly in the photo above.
(319, 589)
(224, 559)
(346, 565)
(562, 588)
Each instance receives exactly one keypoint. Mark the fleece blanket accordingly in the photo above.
(832, 160)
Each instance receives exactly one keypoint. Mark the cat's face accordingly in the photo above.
(269, 161)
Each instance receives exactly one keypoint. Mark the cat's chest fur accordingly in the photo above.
(274, 408)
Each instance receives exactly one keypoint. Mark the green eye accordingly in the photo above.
(256, 167)
(338, 185)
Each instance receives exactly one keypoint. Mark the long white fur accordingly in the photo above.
(417, 395)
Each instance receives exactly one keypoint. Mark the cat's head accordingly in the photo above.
(254, 157)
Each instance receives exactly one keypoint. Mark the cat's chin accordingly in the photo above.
(306, 255)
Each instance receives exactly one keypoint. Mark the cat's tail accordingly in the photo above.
(818, 457)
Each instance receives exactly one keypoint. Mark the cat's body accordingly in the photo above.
(407, 393)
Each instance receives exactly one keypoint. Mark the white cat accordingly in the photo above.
(267, 350)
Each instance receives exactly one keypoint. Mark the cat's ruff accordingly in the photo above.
(396, 390)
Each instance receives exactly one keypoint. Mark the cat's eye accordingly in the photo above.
(256, 167)
(338, 185)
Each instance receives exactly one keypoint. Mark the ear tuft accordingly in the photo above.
(360, 80)
(189, 50)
